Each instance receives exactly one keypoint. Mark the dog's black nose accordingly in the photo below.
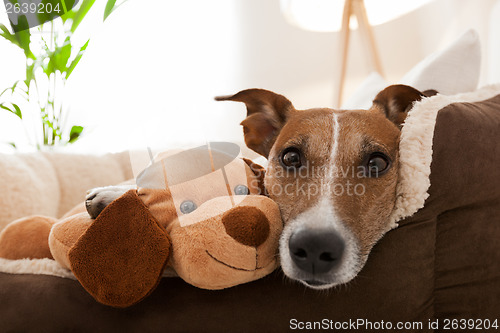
(316, 251)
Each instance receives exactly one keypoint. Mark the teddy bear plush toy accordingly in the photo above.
(199, 212)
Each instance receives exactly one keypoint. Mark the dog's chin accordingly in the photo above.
(325, 281)
(318, 285)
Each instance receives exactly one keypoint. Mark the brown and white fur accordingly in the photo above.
(330, 227)
(334, 206)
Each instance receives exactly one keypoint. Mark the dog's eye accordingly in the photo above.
(290, 158)
(187, 207)
(377, 165)
(241, 190)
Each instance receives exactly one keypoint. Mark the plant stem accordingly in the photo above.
(54, 117)
(37, 138)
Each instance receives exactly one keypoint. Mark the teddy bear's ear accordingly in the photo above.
(119, 260)
(259, 172)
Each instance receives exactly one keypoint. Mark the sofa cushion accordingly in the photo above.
(452, 70)
(30, 185)
(52, 183)
(465, 196)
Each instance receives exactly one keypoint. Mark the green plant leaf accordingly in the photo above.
(58, 60)
(7, 35)
(14, 86)
(68, 8)
(12, 89)
(77, 59)
(63, 4)
(12, 144)
(5, 108)
(65, 52)
(21, 38)
(70, 14)
(110, 6)
(16, 111)
(80, 14)
(30, 74)
(75, 133)
(4, 91)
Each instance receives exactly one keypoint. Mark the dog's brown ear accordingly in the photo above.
(120, 259)
(396, 100)
(267, 113)
(429, 92)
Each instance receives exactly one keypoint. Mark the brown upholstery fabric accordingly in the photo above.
(443, 262)
(465, 197)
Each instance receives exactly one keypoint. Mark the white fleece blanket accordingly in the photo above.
(415, 149)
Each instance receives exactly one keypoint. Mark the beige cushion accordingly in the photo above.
(52, 183)
(450, 71)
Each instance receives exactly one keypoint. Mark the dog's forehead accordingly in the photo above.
(307, 127)
(315, 128)
(366, 127)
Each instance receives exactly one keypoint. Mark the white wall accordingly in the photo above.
(301, 64)
(151, 70)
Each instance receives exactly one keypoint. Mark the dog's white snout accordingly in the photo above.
(316, 251)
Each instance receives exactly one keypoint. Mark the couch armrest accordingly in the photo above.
(52, 183)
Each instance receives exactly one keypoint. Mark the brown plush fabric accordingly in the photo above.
(228, 239)
(247, 225)
(122, 255)
(207, 255)
(78, 209)
(26, 238)
(441, 263)
(259, 172)
(65, 234)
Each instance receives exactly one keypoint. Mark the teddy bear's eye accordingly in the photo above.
(241, 190)
(187, 207)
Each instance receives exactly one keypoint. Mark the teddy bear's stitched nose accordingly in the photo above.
(247, 225)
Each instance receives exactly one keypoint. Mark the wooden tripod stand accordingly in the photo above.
(356, 8)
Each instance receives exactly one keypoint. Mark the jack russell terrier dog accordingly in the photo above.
(333, 173)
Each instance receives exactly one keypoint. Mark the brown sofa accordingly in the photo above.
(441, 265)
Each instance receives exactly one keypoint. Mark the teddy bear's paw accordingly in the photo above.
(98, 198)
